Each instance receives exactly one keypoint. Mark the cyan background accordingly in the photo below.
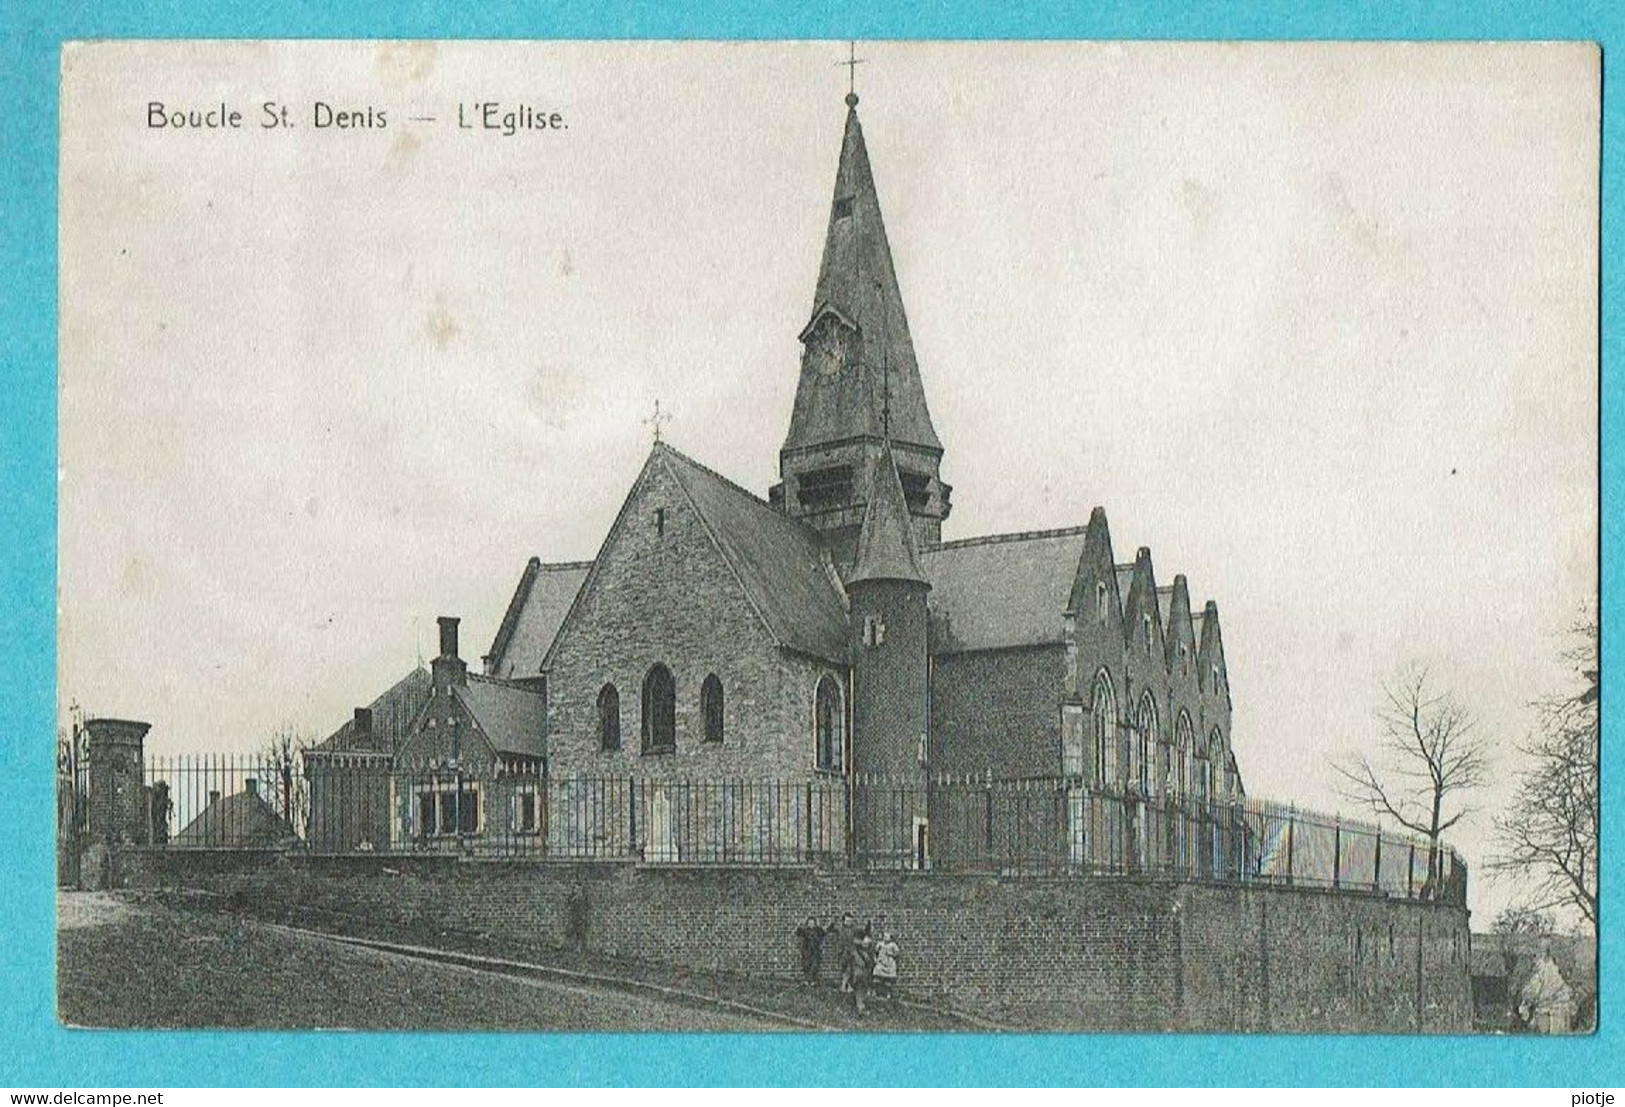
(35, 1051)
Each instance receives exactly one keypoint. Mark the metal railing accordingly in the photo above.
(1051, 826)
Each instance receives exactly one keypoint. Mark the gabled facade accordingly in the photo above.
(471, 764)
(701, 584)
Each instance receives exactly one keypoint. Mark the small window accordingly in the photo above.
(874, 631)
(445, 809)
(609, 718)
(1184, 743)
(843, 207)
(829, 726)
(1102, 598)
(525, 810)
(1145, 631)
(1184, 660)
(660, 520)
(1103, 708)
(1145, 739)
(711, 707)
(659, 711)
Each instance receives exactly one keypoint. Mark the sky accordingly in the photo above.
(1315, 323)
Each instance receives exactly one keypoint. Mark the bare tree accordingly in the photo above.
(1548, 835)
(1429, 755)
(282, 763)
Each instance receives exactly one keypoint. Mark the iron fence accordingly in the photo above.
(1052, 826)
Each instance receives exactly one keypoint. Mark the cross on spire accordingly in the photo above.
(852, 62)
(657, 419)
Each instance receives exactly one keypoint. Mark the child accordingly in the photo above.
(863, 966)
(885, 973)
(810, 938)
(846, 934)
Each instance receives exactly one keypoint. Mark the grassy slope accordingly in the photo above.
(160, 967)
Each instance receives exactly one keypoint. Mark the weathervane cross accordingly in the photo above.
(656, 420)
(852, 62)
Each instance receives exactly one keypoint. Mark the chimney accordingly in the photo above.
(448, 669)
(251, 786)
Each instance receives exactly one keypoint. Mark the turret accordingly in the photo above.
(890, 673)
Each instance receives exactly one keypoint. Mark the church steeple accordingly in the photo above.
(860, 383)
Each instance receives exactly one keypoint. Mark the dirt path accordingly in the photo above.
(77, 910)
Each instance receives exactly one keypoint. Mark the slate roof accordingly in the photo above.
(857, 282)
(1002, 591)
(886, 540)
(512, 719)
(781, 562)
(393, 714)
(534, 616)
(243, 819)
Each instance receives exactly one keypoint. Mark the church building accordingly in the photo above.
(832, 631)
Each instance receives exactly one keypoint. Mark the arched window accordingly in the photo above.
(659, 711)
(1145, 739)
(1103, 708)
(1145, 632)
(829, 726)
(1102, 598)
(1184, 741)
(609, 718)
(711, 707)
(1215, 758)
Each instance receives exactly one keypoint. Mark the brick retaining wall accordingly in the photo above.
(1082, 954)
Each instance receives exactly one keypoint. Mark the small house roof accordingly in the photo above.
(241, 820)
(512, 719)
(393, 714)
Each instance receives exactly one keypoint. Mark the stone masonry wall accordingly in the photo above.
(1077, 954)
(998, 710)
(667, 583)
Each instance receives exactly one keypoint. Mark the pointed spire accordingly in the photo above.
(857, 285)
(886, 542)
